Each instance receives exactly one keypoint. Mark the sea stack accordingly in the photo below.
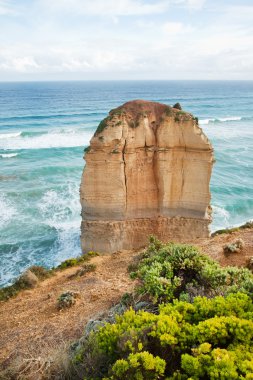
(147, 171)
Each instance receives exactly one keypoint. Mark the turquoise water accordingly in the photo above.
(44, 128)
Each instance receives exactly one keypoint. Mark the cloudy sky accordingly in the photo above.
(126, 39)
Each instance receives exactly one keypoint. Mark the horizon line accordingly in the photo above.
(124, 80)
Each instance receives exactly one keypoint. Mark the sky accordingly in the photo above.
(126, 39)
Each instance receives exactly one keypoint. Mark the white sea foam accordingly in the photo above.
(232, 118)
(9, 135)
(205, 121)
(8, 155)
(219, 119)
(7, 211)
(221, 217)
(221, 212)
(54, 139)
(61, 210)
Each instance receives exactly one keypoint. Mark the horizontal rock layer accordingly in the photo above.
(147, 162)
(108, 236)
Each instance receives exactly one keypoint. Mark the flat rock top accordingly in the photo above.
(135, 107)
(135, 110)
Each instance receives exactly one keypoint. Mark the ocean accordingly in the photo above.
(45, 126)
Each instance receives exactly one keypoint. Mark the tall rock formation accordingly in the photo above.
(147, 171)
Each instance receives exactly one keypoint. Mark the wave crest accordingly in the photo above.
(8, 155)
(9, 135)
(53, 139)
(219, 120)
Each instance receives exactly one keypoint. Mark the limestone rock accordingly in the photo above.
(27, 280)
(147, 172)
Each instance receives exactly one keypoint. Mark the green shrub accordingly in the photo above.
(139, 366)
(199, 340)
(87, 149)
(169, 271)
(21, 282)
(74, 261)
(86, 268)
(102, 125)
(233, 247)
(67, 299)
(234, 229)
(210, 337)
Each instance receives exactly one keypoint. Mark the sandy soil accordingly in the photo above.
(31, 320)
(213, 247)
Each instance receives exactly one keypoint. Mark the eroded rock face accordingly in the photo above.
(147, 171)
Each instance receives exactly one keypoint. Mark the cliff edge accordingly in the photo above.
(147, 171)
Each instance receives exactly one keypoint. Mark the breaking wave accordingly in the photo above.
(54, 139)
(9, 135)
(219, 119)
(8, 155)
(7, 211)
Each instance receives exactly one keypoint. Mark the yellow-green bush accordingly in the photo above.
(183, 341)
(139, 366)
(210, 337)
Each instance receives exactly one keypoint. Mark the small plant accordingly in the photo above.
(74, 261)
(234, 247)
(250, 263)
(86, 268)
(87, 149)
(92, 254)
(41, 272)
(182, 116)
(82, 271)
(168, 111)
(234, 229)
(196, 120)
(177, 106)
(102, 125)
(67, 299)
(127, 299)
(139, 366)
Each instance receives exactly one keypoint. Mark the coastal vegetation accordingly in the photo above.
(37, 273)
(233, 229)
(187, 318)
(200, 325)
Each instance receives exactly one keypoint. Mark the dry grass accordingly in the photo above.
(45, 360)
(33, 329)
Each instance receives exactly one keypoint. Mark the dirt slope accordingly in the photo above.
(31, 321)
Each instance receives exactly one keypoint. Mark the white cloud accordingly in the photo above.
(167, 39)
(172, 27)
(20, 64)
(108, 7)
(118, 7)
(195, 4)
(6, 8)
